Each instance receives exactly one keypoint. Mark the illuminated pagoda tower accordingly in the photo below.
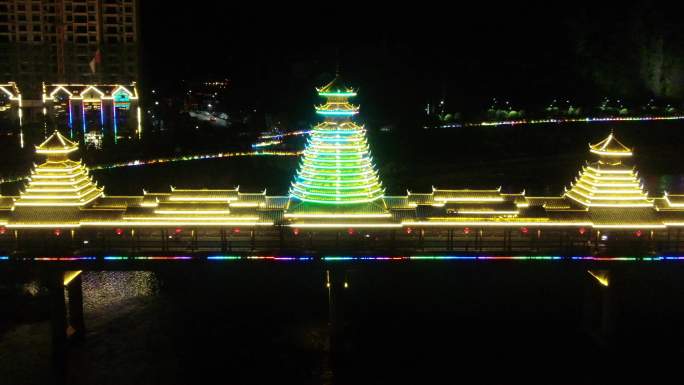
(60, 181)
(336, 177)
(608, 181)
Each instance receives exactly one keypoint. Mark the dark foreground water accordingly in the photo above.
(404, 323)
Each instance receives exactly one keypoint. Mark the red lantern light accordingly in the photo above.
(524, 230)
(57, 232)
(178, 230)
(409, 230)
(582, 230)
(350, 231)
(466, 230)
(236, 230)
(3, 230)
(119, 231)
(638, 233)
(295, 231)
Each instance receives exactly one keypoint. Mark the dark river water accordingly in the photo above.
(493, 323)
(406, 323)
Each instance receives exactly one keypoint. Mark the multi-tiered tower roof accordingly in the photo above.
(608, 181)
(59, 181)
(336, 167)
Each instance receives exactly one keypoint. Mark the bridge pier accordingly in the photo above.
(337, 284)
(599, 306)
(76, 322)
(58, 323)
(66, 318)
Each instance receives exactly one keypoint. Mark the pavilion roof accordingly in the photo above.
(337, 85)
(610, 146)
(56, 143)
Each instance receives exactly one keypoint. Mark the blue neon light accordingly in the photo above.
(115, 125)
(337, 112)
(71, 119)
(83, 119)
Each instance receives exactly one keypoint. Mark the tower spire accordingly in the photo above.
(337, 62)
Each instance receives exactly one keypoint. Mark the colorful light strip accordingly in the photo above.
(560, 121)
(268, 143)
(63, 259)
(280, 136)
(343, 258)
(278, 258)
(149, 162)
(164, 258)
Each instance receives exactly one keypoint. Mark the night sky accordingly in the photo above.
(403, 58)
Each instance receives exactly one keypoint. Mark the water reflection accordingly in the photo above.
(104, 289)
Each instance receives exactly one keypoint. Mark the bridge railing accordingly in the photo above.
(283, 240)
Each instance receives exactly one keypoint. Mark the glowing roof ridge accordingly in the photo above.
(336, 86)
(56, 144)
(610, 146)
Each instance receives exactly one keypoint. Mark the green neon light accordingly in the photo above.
(331, 186)
(338, 94)
(338, 202)
(310, 192)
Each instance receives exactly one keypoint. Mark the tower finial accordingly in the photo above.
(337, 62)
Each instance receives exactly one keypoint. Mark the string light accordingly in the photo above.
(185, 158)
(561, 121)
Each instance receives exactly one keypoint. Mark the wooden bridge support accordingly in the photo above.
(336, 282)
(76, 321)
(58, 321)
(66, 317)
(599, 305)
